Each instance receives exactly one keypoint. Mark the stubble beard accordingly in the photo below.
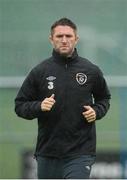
(65, 53)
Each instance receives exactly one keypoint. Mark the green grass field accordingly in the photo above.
(17, 135)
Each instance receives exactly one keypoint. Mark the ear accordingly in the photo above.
(50, 39)
(76, 39)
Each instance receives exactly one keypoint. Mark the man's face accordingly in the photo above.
(64, 40)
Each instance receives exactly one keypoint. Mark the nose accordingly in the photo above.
(64, 39)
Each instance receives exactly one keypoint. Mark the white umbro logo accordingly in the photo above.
(51, 78)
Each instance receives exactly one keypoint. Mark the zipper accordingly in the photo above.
(65, 86)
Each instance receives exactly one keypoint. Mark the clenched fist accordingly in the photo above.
(48, 103)
(89, 114)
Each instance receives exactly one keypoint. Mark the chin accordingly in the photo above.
(64, 54)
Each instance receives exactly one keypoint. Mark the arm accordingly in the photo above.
(27, 103)
(101, 96)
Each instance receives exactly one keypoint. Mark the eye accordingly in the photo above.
(68, 35)
(59, 36)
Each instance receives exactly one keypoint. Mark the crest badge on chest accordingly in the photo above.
(81, 78)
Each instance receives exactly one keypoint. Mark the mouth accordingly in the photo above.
(64, 47)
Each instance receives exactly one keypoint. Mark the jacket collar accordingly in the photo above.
(65, 60)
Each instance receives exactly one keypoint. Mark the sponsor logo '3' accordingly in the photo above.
(50, 85)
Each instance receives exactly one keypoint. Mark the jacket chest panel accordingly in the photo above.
(69, 80)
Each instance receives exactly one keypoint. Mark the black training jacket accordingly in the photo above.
(76, 82)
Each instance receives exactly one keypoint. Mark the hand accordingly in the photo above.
(48, 103)
(89, 114)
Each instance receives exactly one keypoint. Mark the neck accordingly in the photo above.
(60, 58)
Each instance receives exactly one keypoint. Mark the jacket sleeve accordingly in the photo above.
(101, 96)
(27, 104)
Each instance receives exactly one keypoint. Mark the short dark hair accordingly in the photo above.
(64, 22)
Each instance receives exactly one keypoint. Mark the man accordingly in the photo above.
(67, 94)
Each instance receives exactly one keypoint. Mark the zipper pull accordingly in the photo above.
(66, 66)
